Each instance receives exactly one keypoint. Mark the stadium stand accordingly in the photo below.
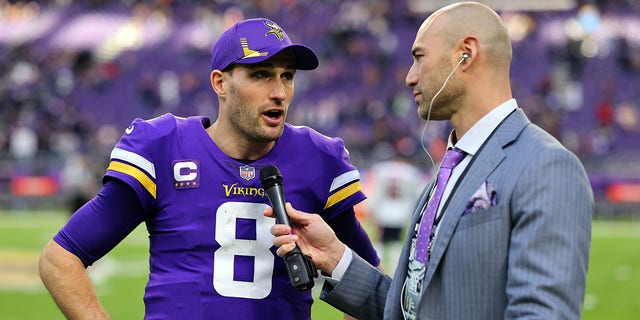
(73, 74)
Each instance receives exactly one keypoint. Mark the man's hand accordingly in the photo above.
(314, 237)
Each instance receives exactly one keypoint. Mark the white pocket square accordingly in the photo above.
(484, 198)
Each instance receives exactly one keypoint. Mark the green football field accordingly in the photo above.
(613, 287)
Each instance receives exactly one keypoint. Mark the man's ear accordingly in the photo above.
(469, 46)
(217, 80)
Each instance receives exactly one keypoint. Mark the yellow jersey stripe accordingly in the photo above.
(343, 194)
(135, 173)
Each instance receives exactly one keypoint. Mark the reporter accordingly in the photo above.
(507, 223)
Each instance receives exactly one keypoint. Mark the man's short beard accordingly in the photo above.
(445, 103)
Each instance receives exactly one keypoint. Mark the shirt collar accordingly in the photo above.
(479, 132)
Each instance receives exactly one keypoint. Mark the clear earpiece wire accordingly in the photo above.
(424, 129)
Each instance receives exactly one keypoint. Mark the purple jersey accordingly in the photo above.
(210, 246)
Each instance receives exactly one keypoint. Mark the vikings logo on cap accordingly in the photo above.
(274, 29)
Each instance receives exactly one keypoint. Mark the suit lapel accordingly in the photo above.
(485, 161)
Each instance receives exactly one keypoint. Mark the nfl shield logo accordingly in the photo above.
(247, 172)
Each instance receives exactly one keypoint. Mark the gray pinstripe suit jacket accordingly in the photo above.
(524, 258)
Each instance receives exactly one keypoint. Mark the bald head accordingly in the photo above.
(455, 22)
(447, 87)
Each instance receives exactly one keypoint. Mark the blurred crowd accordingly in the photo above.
(73, 74)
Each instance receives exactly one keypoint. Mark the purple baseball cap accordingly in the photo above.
(255, 40)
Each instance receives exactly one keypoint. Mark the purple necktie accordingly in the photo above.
(451, 159)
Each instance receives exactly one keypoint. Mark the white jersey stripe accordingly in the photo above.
(344, 179)
(135, 159)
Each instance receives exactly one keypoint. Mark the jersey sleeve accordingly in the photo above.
(112, 214)
(132, 160)
(349, 230)
(345, 190)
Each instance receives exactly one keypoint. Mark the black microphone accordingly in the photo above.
(300, 268)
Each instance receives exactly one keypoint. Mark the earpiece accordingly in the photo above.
(465, 56)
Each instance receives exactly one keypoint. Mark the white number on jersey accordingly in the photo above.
(230, 246)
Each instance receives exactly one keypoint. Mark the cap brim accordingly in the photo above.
(305, 58)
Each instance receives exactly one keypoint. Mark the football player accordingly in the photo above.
(196, 186)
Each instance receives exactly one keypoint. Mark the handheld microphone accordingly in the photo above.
(300, 268)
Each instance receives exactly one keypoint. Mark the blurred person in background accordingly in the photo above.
(78, 180)
(196, 186)
(395, 186)
(508, 236)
